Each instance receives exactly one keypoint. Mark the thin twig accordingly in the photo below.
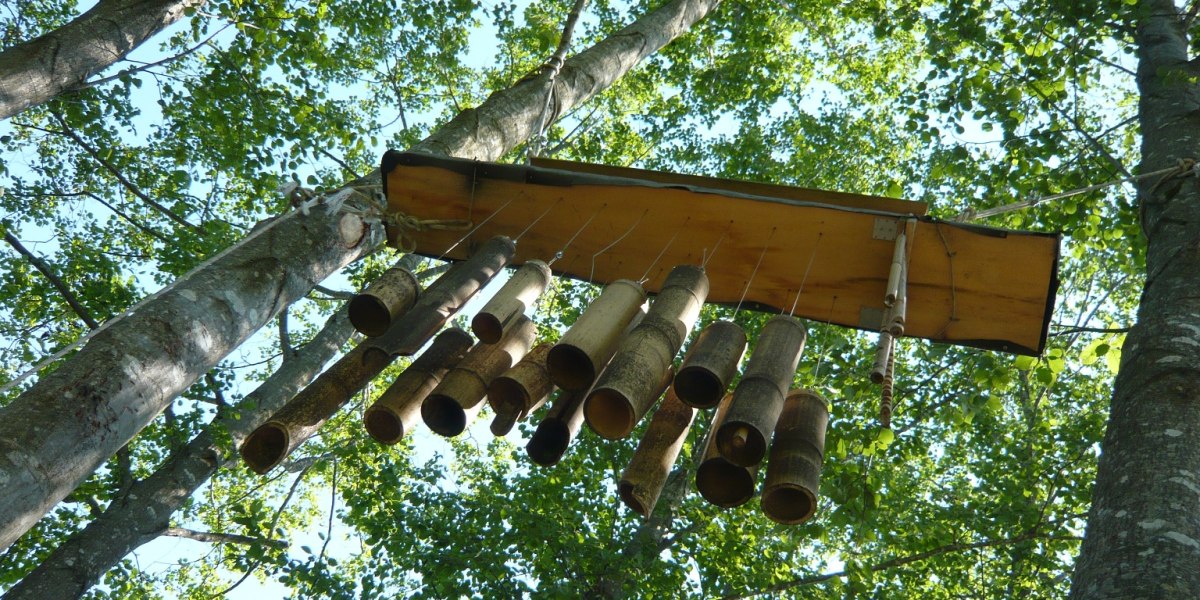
(221, 538)
(55, 281)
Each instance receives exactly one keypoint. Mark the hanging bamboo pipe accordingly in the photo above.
(453, 404)
(439, 303)
(575, 361)
(644, 478)
(794, 469)
(268, 445)
(895, 301)
(721, 482)
(557, 429)
(518, 294)
(520, 390)
(627, 389)
(710, 364)
(373, 309)
(893, 287)
(758, 399)
(398, 408)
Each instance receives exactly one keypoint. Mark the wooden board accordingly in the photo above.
(969, 285)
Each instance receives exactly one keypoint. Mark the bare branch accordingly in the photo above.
(55, 281)
(1071, 330)
(221, 538)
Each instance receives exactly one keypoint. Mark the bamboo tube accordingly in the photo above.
(268, 445)
(883, 351)
(453, 404)
(710, 364)
(397, 409)
(518, 294)
(897, 314)
(441, 302)
(557, 429)
(742, 437)
(644, 478)
(373, 310)
(794, 470)
(897, 268)
(576, 359)
(721, 482)
(627, 389)
(520, 390)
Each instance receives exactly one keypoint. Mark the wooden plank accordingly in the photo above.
(968, 285)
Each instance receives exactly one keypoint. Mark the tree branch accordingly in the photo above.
(221, 538)
(1071, 330)
(55, 281)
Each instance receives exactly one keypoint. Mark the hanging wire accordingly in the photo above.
(474, 229)
(559, 254)
(753, 273)
(646, 275)
(821, 355)
(535, 221)
(805, 277)
(592, 273)
(708, 256)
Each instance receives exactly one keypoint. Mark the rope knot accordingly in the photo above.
(406, 225)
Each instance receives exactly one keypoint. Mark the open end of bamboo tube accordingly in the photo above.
(549, 442)
(609, 414)
(383, 425)
(789, 505)
(699, 386)
(741, 444)
(626, 490)
(369, 315)
(264, 448)
(570, 368)
(724, 484)
(487, 328)
(503, 423)
(444, 416)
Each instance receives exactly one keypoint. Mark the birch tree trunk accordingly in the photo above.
(1143, 532)
(37, 70)
(54, 435)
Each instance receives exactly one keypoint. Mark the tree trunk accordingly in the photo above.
(1143, 532)
(58, 432)
(145, 510)
(36, 71)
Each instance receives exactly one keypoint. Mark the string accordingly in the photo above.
(646, 275)
(592, 273)
(559, 254)
(805, 277)
(535, 221)
(821, 355)
(753, 273)
(476, 228)
(707, 256)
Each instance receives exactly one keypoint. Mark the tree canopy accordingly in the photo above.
(121, 184)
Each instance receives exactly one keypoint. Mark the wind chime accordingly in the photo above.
(612, 366)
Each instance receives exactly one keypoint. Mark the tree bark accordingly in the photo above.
(1143, 532)
(37, 70)
(145, 511)
(58, 432)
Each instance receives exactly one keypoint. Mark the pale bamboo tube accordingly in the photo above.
(373, 310)
(644, 477)
(268, 445)
(896, 271)
(453, 404)
(711, 364)
(398, 408)
(883, 351)
(627, 389)
(576, 360)
(721, 482)
(520, 390)
(794, 469)
(439, 303)
(742, 437)
(519, 293)
(897, 314)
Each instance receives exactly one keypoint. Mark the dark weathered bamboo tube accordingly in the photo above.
(520, 390)
(558, 429)
(576, 360)
(444, 298)
(742, 437)
(794, 470)
(453, 404)
(883, 351)
(398, 408)
(711, 364)
(627, 389)
(518, 294)
(268, 445)
(373, 309)
(647, 472)
(721, 482)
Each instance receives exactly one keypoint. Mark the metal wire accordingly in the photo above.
(646, 275)
(559, 254)
(805, 277)
(753, 273)
(707, 256)
(592, 273)
(535, 221)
